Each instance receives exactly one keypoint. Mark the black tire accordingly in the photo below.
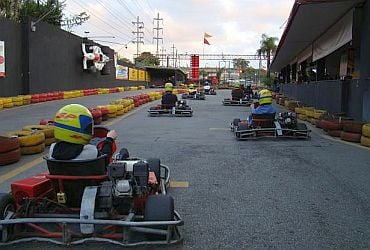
(159, 208)
(155, 166)
(236, 121)
(7, 203)
(124, 154)
(301, 126)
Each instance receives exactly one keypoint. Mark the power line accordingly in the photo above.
(139, 34)
(157, 29)
(75, 1)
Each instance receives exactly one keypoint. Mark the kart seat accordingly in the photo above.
(263, 120)
(72, 176)
(167, 106)
(77, 167)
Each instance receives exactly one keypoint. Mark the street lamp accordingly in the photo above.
(33, 24)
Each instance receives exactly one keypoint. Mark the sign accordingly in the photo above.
(132, 74)
(141, 75)
(2, 59)
(121, 72)
(194, 63)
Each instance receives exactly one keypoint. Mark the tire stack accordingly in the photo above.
(1, 104)
(292, 104)
(120, 109)
(17, 101)
(31, 142)
(26, 99)
(8, 103)
(365, 138)
(352, 131)
(112, 111)
(332, 126)
(10, 151)
(47, 130)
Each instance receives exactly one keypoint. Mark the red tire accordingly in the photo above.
(330, 125)
(8, 144)
(353, 127)
(46, 122)
(334, 133)
(10, 157)
(351, 137)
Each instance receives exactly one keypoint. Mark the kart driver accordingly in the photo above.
(207, 88)
(73, 128)
(169, 99)
(264, 104)
(192, 90)
(237, 93)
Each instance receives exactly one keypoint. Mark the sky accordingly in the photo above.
(236, 26)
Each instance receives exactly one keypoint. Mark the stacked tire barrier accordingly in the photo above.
(47, 130)
(97, 115)
(10, 151)
(365, 137)
(31, 142)
(352, 131)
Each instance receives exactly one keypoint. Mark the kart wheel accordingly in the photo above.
(159, 208)
(301, 126)
(236, 121)
(155, 166)
(123, 154)
(7, 203)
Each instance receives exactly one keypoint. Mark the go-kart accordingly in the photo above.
(265, 125)
(180, 110)
(237, 102)
(124, 202)
(210, 91)
(193, 96)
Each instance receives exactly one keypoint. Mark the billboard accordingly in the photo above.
(121, 72)
(141, 75)
(132, 74)
(2, 59)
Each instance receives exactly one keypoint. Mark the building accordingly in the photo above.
(323, 57)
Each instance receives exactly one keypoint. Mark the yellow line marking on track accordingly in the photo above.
(37, 161)
(20, 169)
(179, 184)
(224, 129)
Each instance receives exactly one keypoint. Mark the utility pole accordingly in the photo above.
(163, 50)
(173, 55)
(157, 29)
(139, 34)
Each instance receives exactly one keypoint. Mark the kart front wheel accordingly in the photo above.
(7, 204)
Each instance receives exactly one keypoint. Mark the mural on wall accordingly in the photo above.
(121, 72)
(2, 59)
(93, 57)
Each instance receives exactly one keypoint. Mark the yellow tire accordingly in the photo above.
(46, 129)
(30, 150)
(49, 141)
(112, 115)
(27, 138)
(366, 130)
(310, 114)
(302, 117)
(8, 105)
(120, 112)
(365, 141)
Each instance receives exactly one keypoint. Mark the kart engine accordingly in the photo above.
(181, 104)
(126, 182)
(287, 120)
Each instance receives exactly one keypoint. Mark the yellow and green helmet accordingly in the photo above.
(73, 123)
(265, 97)
(168, 86)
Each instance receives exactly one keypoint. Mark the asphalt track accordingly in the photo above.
(285, 194)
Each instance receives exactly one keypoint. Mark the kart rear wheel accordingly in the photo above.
(7, 203)
(155, 166)
(159, 208)
(236, 121)
(301, 126)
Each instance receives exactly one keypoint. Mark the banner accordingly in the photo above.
(121, 72)
(132, 74)
(141, 75)
(2, 59)
(194, 64)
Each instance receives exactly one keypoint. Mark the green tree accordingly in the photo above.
(241, 64)
(147, 59)
(17, 10)
(267, 48)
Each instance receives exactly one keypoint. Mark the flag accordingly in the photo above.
(206, 35)
(205, 41)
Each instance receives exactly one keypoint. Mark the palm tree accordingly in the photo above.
(268, 48)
